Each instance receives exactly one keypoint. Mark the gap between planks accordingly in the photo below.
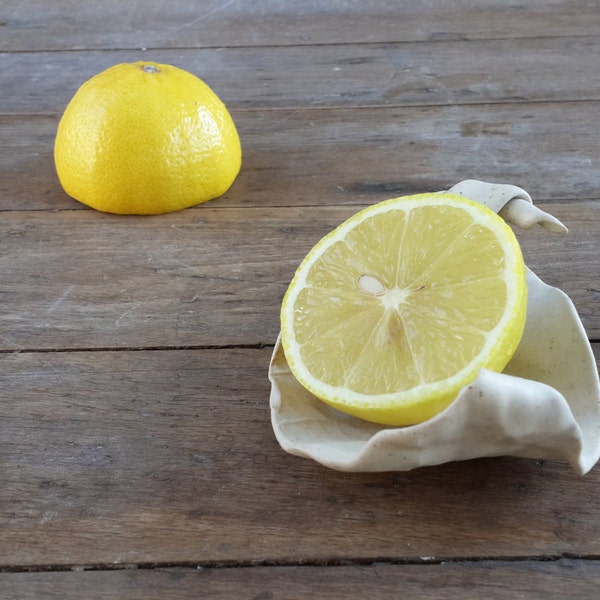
(257, 346)
(339, 107)
(443, 39)
(200, 565)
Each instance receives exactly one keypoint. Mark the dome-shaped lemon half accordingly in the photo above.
(146, 138)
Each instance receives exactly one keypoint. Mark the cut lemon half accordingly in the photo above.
(399, 307)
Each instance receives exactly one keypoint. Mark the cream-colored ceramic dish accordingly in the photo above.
(546, 403)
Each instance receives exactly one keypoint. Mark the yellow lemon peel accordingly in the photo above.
(146, 138)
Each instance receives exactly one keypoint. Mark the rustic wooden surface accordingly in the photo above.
(136, 454)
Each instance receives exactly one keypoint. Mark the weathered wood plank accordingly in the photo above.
(525, 580)
(455, 72)
(152, 445)
(325, 156)
(39, 25)
(204, 277)
(168, 456)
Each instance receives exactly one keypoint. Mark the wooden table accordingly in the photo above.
(137, 458)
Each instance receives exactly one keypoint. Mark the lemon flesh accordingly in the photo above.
(398, 308)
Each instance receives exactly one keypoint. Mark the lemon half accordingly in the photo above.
(146, 138)
(399, 307)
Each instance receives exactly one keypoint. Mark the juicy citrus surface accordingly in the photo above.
(397, 309)
(146, 138)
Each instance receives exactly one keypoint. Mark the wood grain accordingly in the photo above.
(398, 74)
(35, 24)
(346, 156)
(168, 456)
(137, 458)
(524, 580)
(205, 277)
